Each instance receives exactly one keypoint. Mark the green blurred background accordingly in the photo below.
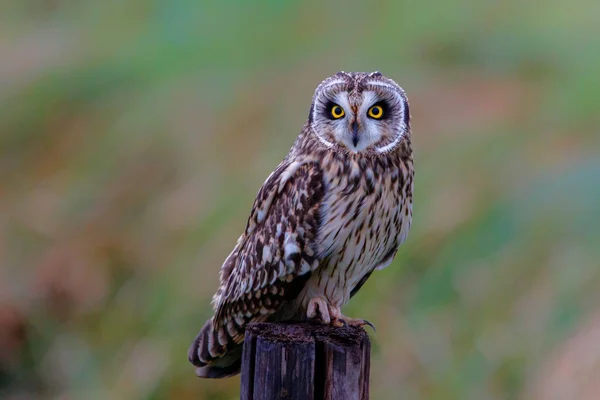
(135, 134)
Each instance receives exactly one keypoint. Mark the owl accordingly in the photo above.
(335, 209)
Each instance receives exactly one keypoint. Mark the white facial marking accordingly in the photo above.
(341, 129)
(390, 146)
(370, 132)
(326, 142)
(402, 127)
(334, 82)
(341, 99)
(369, 99)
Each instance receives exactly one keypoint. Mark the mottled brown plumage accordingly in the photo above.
(336, 209)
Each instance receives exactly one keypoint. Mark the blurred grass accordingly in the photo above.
(133, 138)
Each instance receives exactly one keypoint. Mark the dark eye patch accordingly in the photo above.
(385, 106)
(327, 110)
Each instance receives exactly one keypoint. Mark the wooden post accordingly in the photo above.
(305, 361)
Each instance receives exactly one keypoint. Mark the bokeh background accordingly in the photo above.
(135, 134)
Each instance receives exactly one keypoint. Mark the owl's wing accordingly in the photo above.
(274, 257)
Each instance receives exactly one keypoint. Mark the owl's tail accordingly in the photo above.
(215, 352)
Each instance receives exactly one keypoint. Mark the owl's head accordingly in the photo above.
(361, 112)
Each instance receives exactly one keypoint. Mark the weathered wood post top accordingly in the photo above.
(304, 361)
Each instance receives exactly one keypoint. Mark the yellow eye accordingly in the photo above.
(337, 112)
(375, 112)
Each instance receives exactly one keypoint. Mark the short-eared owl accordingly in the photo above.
(335, 209)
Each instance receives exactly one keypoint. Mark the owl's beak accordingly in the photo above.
(354, 128)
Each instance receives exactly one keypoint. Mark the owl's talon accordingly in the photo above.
(317, 310)
(339, 320)
(339, 323)
(360, 323)
(365, 322)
